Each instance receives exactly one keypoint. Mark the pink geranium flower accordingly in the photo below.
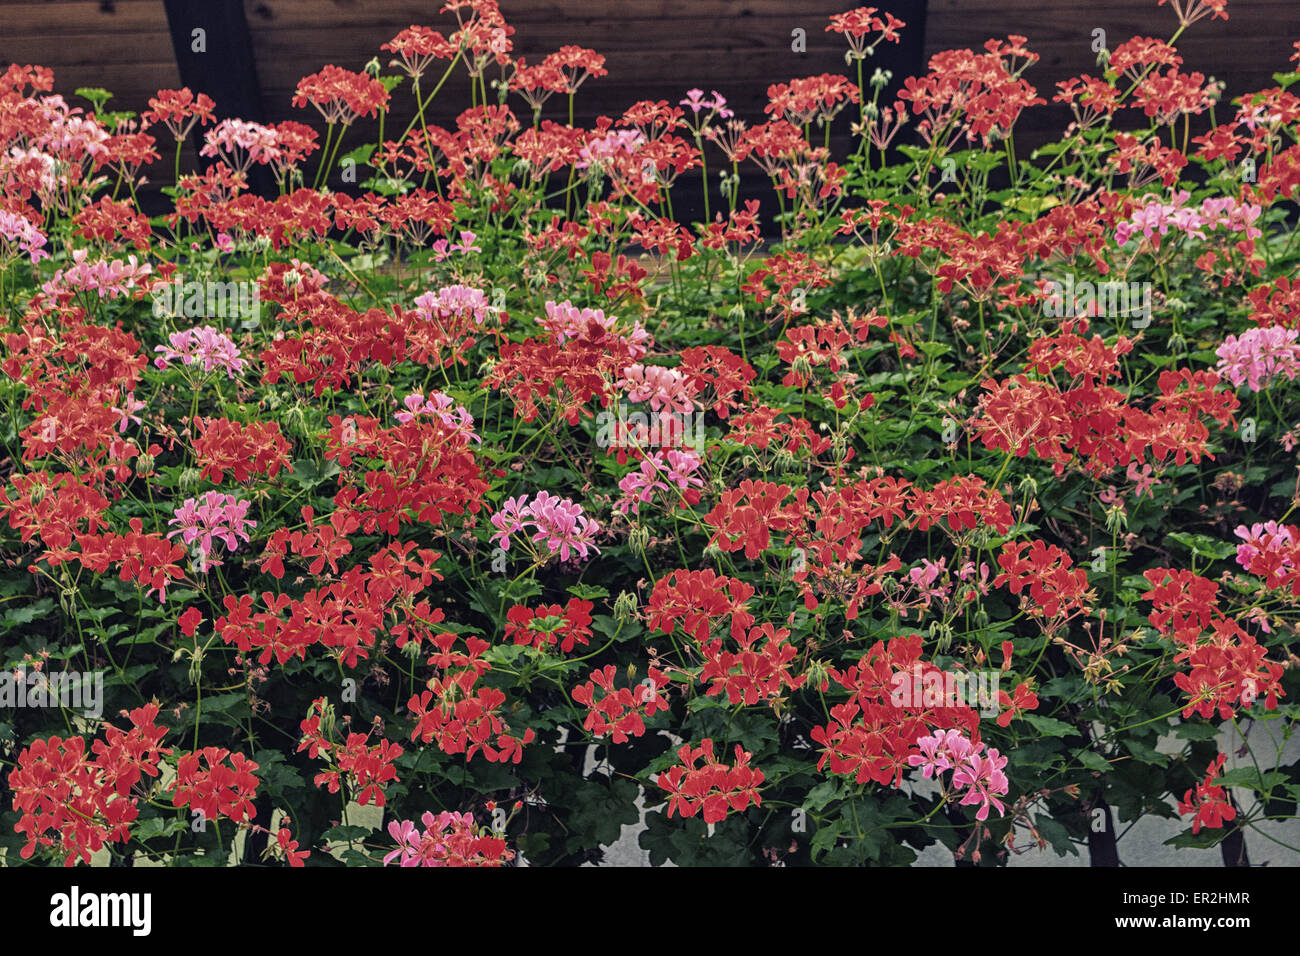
(203, 346)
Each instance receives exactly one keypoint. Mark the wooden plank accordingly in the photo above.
(354, 13)
(87, 48)
(24, 18)
(1146, 11)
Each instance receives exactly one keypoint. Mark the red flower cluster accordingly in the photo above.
(344, 616)
(619, 711)
(1057, 590)
(712, 786)
(745, 516)
(1092, 422)
(871, 735)
(1208, 802)
(460, 716)
(257, 448)
(341, 95)
(204, 782)
(550, 624)
(1229, 670)
(976, 94)
(367, 768)
(325, 543)
(695, 600)
(73, 804)
(757, 672)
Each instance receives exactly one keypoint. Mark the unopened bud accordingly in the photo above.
(189, 479)
(625, 606)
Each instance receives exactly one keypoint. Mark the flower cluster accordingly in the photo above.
(1208, 802)
(620, 711)
(204, 346)
(201, 522)
(557, 524)
(712, 786)
(448, 839)
(367, 768)
(978, 772)
(72, 803)
(1260, 356)
(205, 783)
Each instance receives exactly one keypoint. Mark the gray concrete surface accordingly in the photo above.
(1140, 843)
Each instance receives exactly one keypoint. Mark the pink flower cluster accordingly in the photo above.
(454, 302)
(260, 144)
(558, 524)
(44, 168)
(979, 773)
(1156, 218)
(448, 839)
(1260, 355)
(69, 134)
(602, 148)
(566, 321)
(925, 577)
(441, 249)
(215, 517)
(696, 101)
(1268, 539)
(677, 467)
(204, 346)
(18, 231)
(127, 413)
(443, 407)
(109, 277)
(665, 388)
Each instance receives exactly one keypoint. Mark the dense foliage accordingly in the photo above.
(484, 491)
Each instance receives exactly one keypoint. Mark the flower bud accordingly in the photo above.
(625, 606)
(817, 673)
(942, 634)
(189, 480)
(295, 421)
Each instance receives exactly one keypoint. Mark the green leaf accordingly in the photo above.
(1050, 726)
(1093, 760)
(308, 474)
(1055, 833)
(96, 94)
(1196, 731)
(1187, 840)
(821, 795)
(343, 833)
(1203, 546)
(1251, 779)
(25, 615)
(588, 592)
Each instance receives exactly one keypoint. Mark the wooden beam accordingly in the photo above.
(214, 54)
